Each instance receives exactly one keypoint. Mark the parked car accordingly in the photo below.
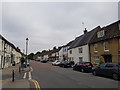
(25, 65)
(65, 64)
(57, 62)
(83, 66)
(108, 69)
(44, 61)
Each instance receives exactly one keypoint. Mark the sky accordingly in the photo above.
(49, 24)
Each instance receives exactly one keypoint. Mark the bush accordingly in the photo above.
(101, 62)
(22, 60)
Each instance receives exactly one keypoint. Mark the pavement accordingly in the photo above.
(19, 82)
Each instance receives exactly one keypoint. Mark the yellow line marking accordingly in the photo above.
(36, 84)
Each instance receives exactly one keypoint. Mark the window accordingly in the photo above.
(70, 51)
(109, 65)
(96, 60)
(95, 47)
(65, 50)
(102, 65)
(106, 46)
(72, 58)
(80, 50)
(100, 34)
(80, 59)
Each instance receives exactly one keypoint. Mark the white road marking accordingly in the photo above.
(30, 76)
(25, 75)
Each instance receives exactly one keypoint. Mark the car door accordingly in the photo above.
(101, 69)
(77, 66)
(108, 69)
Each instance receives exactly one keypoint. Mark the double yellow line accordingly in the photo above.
(37, 86)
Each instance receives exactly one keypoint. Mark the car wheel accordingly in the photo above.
(115, 76)
(94, 73)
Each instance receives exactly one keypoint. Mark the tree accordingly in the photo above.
(22, 59)
(37, 53)
(30, 56)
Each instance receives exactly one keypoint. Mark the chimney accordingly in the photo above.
(85, 31)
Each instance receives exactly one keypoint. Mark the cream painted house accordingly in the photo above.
(79, 49)
(8, 53)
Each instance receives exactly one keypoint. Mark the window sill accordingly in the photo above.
(95, 51)
(106, 50)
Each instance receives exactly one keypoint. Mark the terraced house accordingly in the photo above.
(8, 53)
(63, 53)
(105, 45)
(79, 48)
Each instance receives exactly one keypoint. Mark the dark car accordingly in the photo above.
(83, 66)
(44, 61)
(26, 64)
(108, 69)
(65, 64)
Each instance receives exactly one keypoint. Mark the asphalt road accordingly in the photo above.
(49, 76)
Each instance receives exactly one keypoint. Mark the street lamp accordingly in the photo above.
(26, 51)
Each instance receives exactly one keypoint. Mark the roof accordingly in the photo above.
(84, 39)
(76, 42)
(110, 31)
(9, 43)
(68, 44)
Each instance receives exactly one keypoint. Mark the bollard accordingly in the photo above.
(13, 76)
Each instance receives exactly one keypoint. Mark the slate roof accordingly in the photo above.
(111, 31)
(84, 39)
(76, 42)
(68, 44)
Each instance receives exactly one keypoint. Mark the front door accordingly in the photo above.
(107, 58)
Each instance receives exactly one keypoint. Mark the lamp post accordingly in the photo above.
(26, 51)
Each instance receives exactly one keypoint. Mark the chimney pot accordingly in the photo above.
(85, 31)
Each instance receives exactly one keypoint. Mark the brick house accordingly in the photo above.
(105, 45)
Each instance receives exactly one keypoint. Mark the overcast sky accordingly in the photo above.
(49, 24)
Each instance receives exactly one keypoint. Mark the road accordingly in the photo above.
(49, 76)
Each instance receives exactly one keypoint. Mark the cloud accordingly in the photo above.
(52, 24)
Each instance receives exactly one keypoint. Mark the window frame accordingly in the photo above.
(96, 47)
(104, 44)
(70, 51)
(80, 50)
(96, 59)
(81, 59)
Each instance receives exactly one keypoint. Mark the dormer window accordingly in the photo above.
(100, 34)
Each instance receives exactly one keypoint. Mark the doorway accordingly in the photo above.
(107, 57)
